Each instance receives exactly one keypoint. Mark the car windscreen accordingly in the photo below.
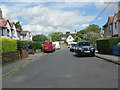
(73, 45)
(84, 44)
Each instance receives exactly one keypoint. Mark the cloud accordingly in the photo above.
(44, 19)
(112, 8)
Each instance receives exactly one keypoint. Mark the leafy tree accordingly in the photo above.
(67, 32)
(40, 37)
(55, 36)
(92, 37)
(91, 33)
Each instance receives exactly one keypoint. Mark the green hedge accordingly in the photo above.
(36, 45)
(105, 45)
(22, 45)
(8, 45)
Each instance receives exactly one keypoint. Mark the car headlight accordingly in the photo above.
(80, 49)
(92, 48)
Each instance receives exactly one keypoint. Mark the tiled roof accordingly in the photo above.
(11, 24)
(118, 15)
(111, 18)
(3, 22)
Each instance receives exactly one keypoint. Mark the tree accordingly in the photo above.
(92, 37)
(91, 33)
(67, 32)
(40, 37)
(55, 36)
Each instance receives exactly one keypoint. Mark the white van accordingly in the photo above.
(70, 44)
(57, 45)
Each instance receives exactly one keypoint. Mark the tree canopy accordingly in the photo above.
(67, 32)
(55, 36)
(40, 37)
(91, 33)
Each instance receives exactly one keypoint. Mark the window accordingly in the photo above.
(8, 32)
(2, 32)
(84, 43)
(115, 25)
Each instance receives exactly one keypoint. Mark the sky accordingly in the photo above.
(47, 17)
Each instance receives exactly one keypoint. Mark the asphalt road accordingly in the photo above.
(62, 69)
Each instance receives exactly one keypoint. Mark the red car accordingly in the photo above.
(48, 47)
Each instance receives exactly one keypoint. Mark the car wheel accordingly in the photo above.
(93, 54)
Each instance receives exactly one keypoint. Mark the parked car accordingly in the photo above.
(48, 47)
(70, 44)
(118, 44)
(30, 51)
(56, 44)
(73, 47)
(85, 48)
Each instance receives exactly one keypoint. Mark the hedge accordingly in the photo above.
(105, 45)
(36, 45)
(8, 45)
(23, 45)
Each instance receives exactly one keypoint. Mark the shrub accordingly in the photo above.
(23, 45)
(105, 45)
(8, 45)
(36, 45)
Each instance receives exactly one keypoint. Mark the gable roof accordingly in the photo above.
(11, 24)
(118, 15)
(66, 36)
(111, 18)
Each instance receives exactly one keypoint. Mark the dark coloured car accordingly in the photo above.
(49, 47)
(84, 48)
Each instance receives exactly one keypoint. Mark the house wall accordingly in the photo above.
(4, 33)
(15, 34)
(8, 28)
(108, 30)
(119, 29)
(0, 31)
(70, 38)
(115, 29)
(18, 34)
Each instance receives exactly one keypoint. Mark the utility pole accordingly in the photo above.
(119, 18)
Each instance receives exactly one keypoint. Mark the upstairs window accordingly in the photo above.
(115, 25)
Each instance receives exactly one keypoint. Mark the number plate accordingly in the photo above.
(46, 47)
(87, 51)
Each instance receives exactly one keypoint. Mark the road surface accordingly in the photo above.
(62, 69)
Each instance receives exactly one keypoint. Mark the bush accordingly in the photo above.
(23, 45)
(105, 45)
(8, 45)
(35, 45)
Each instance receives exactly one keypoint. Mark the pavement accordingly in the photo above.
(110, 58)
(15, 66)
